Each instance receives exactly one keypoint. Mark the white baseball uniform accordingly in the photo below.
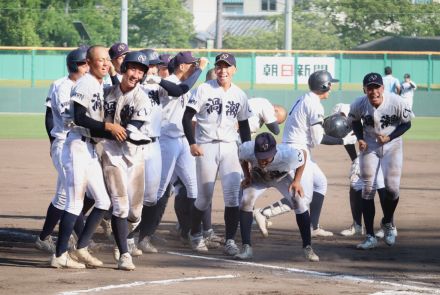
(217, 113)
(176, 154)
(390, 84)
(263, 113)
(381, 121)
(278, 174)
(407, 92)
(123, 163)
(306, 112)
(152, 153)
(80, 159)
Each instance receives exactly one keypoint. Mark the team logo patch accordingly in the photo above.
(121, 47)
(372, 78)
(142, 58)
(406, 113)
(224, 56)
(265, 147)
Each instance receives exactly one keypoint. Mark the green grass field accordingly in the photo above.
(26, 126)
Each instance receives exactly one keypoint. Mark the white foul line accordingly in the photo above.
(141, 283)
(350, 278)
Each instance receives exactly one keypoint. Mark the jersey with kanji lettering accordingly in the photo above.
(218, 111)
(382, 120)
(305, 112)
(154, 92)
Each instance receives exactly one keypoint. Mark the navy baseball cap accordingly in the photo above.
(184, 57)
(225, 57)
(373, 79)
(117, 50)
(265, 146)
(165, 58)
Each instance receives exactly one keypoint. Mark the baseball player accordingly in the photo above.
(379, 119)
(266, 113)
(155, 87)
(57, 104)
(163, 71)
(390, 83)
(408, 88)
(81, 163)
(303, 130)
(266, 164)
(117, 54)
(126, 104)
(219, 104)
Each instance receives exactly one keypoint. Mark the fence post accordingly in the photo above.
(430, 69)
(253, 73)
(341, 57)
(295, 73)
(385, 59)
(33, 68)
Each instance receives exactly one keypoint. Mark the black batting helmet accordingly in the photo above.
(320, 81)
(136, 57)
(74, 57)
(152, 56)
(336, 126)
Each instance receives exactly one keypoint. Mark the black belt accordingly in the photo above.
(88, 139)
(154, 139)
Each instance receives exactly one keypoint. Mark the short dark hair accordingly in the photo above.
(91, 51)
(388, 71)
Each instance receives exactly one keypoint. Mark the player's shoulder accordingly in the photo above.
(238, 90)
(173, 78)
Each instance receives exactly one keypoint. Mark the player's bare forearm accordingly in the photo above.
(117, 131)
(247, 174)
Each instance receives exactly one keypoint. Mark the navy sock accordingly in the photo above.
(120, 232)
(160, 210)
(368, 211)
(196, 220)
(79, 225)
(182, 207)
(147, 221)
(351, 150)
(356, 205)
(206, 218)
(67, 223)
(92, 223)
(232, 217)
(303, 221)
(53, 215)
(389, 206)
(246, 219)
(315, 209)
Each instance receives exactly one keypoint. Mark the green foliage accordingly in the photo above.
(159, 23)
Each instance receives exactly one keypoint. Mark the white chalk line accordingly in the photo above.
(349, 278)
(142, 283)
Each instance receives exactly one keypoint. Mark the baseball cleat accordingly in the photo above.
(198, 243)
(231, 249)
(146, 246)
(320, 232)
(370, 242)
(126, 262)
(310, 254)
(85, 257)
(245, 254)
(65, 261)
(116, 253)
(212, 241)
(133, 249)
(261, 221)
(47, 245)
(380, 233)
(353, 230)
(389, 237)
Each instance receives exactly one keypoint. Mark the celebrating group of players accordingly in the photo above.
(126, 131)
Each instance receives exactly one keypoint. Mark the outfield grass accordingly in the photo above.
(26, 126)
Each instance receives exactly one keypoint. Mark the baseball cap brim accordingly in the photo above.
(224, 60)
(334, 80)
(265, 155)
(373, 83)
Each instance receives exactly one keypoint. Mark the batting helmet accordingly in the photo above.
(152, 56)
(74, 57)
(320, 81)
(136, 57)
(336, 126)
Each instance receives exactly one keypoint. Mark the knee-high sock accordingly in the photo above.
(160, 210)
(147, 221)
(368, 211)
(92, 223)
(315, 209)
(79, 224)
(356, 205)
(182, 207)
(196, 220)
(53, 215)
(246, 219)
(120, 231)
(390, 205)
(206, 219)
(383, 196)
(87, 204)
(232, 217)
(303, 221)
(67, 223)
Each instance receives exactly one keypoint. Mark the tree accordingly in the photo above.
(159, 23)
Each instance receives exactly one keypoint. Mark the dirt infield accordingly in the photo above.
(412, 266)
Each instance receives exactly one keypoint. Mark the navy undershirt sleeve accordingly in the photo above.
(244, 130)
(187, 124)
(177, 90)
(273, 127)
(48, 122)
(400, 130)
(81, 119)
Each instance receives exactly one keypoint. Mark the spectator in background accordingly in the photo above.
(390, 83)
(407, 91)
